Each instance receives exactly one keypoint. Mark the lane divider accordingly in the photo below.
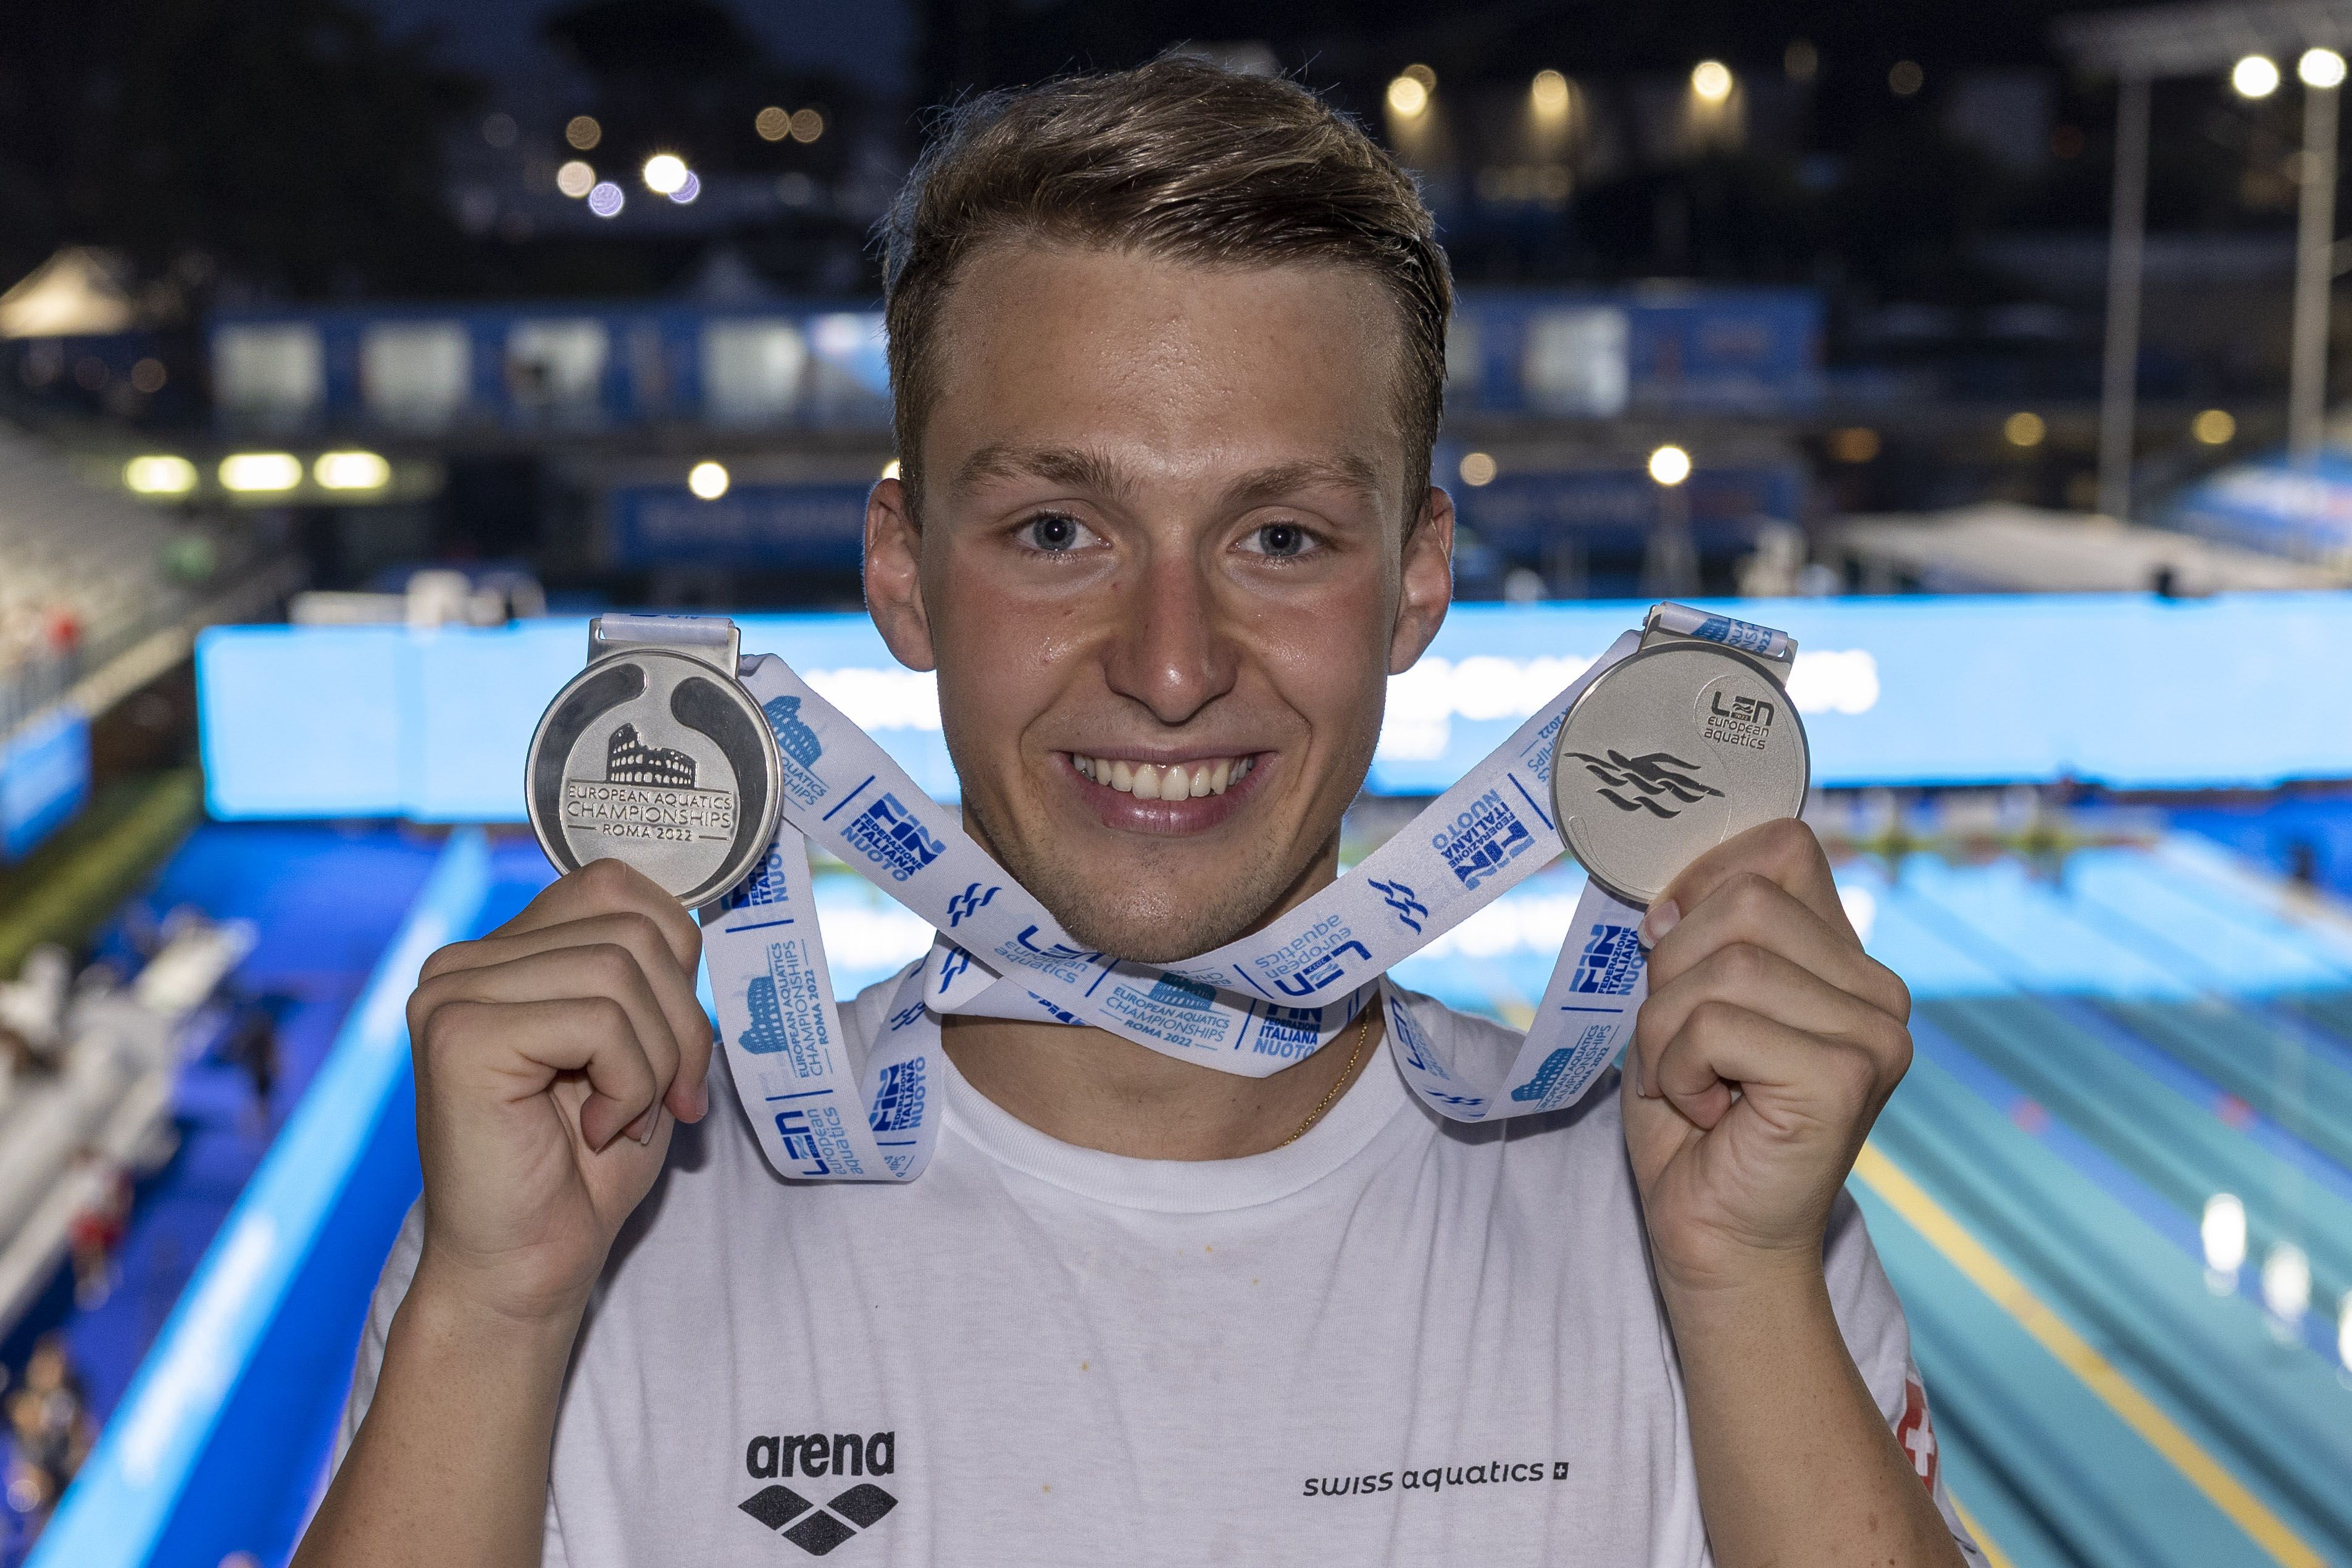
(1994, 1555)
(2159, 1431)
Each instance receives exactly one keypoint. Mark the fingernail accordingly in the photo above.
(701, 1100)
(653, 1122)
(1664, 916)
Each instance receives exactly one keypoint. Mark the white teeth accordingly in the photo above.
(1170, 781)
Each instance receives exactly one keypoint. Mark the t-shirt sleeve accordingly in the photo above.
(1871, 1318)
(391, 1289)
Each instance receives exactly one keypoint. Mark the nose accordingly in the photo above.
(1170, 650)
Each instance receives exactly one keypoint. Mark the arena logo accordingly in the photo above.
(1482, 838)
(817, 1528)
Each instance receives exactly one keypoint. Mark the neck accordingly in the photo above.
(1090, 1088)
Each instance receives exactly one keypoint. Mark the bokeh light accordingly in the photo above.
(160, 474)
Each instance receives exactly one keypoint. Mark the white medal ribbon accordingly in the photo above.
(1253, 1006)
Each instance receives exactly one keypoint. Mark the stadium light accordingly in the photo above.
(582, 131)
(707, 480)
(685, 194)
(1548, 95)
(808, 124)
(1711, 81)
(2320, 68)
(575, 179)
(1407, 98)
(350, 471)
(607, 199)
(773, 123)
(2214, 427)
(257, 473)
(159, 474)
(1853, 444)
(1670, 465)
(2254, 77)
(2286, 1282)
(2024, 428)
(2223, 1231)
(1478, 468)
(665, 173)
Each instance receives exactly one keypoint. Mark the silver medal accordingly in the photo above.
(1675, 749)
(654, 754)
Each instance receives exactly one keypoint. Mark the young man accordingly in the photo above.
(1168, 350)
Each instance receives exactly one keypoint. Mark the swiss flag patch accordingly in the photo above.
(1916, 1432)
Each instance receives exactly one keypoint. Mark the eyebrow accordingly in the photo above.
(1084, 470)
(1069, 466)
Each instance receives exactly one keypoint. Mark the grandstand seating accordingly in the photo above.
(84, 572)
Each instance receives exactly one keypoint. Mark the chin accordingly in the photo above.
(1156, 934)
(1131, 918)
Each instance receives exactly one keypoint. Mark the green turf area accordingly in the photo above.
(64, 889)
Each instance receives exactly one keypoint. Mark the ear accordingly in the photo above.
(1427, 583)
(894, 577)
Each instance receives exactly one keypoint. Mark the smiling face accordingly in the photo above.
(1163, 568)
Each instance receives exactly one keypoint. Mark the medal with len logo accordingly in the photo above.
(654, 754)
(1686, 742)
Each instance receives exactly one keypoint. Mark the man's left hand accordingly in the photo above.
(1767, 1047)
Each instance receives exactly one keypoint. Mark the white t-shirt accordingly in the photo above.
(1398, 1339)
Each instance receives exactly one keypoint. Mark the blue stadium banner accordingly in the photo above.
(44, 778)
(775, 526)
(2125, 690)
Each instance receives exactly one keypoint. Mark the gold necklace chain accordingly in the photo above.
(1363, 1031)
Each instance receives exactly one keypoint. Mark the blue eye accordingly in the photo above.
(1053, 531)
(1282, 540)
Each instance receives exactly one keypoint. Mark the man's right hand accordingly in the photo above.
(547, 1053)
